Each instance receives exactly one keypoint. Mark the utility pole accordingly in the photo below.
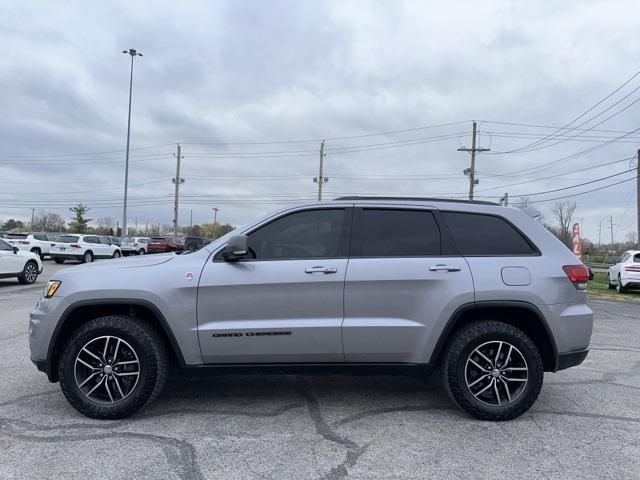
(600, 234)
(33, 211)
(177, 181)
(504, 200)
(215, 220)
(638, 198)
(320, 179)
(472, 171)
(191, 223)
(611, 227)
(133, 53)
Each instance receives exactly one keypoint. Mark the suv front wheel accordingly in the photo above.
(112, 366)
(492, 370)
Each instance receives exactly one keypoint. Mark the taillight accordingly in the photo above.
(75, 245)
(578, 274)
(632, 268)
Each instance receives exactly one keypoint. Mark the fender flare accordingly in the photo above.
(454, 320)
(53, 350)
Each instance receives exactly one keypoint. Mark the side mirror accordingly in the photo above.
(590, 273)
(236, 248)
(15, 249)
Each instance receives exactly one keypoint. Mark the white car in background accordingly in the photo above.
(625, 274)
(134, 245)
(25, 266)
(38, 243)
(84, 248)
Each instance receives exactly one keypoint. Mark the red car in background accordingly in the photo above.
(165, 244)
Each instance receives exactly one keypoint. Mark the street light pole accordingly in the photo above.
(133, 53)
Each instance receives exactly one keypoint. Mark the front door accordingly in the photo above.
(285, 304)
(10, 262)
(404, 281)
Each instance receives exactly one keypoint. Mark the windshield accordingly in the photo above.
(67, 239)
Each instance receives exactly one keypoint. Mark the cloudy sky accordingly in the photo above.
(250, 88)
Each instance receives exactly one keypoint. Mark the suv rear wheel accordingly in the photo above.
(492, 370)
(112, 366)
(87, 257)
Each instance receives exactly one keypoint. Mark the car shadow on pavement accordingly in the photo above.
(270, 395)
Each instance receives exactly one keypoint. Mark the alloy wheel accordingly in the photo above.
(30, 272)
(107, 370)
(496, 373)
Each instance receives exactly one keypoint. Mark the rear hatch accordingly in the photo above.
(66, 244)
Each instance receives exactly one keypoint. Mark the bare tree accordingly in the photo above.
(105, 225)
(563, 213)
(44, 221)
(525, 204)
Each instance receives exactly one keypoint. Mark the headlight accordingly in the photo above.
(52, 288)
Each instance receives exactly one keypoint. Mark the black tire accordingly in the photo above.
(87, 257)
(619, 287)
(29, 273)
(117, 254)
(609, 284)
(37, 252)
(454, 365)
(141, 252)
(153, 366)
(58, 260)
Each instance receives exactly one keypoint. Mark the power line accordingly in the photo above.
(586, 191)
(629, 80)
(539, 147)
(569, 157)
(577, 185)
(557, 176)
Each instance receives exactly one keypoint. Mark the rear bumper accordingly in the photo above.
(571, 359)
(67, 256)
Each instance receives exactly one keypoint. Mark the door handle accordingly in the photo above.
(321, 270)
(444, 268)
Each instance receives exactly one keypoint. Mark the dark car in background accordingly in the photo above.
(196, 243)
(165, 244)
(113, 240)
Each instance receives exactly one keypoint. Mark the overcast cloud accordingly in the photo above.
(218, 73)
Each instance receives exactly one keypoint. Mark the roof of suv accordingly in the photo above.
(415, 199)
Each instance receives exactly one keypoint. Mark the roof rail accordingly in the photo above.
(421, 199)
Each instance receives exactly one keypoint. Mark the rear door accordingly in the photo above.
(286, 303)
(403, 283)
(93, 243)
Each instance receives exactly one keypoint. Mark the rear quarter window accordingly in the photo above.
(478, 234)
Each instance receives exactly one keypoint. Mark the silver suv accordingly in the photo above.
(404, 285)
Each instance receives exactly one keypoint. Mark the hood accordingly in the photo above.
(127, 262)
(25, 253)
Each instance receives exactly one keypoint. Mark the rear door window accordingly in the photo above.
(487, 235)
(394, 233)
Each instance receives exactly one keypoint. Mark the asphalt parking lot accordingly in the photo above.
(586, 423)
